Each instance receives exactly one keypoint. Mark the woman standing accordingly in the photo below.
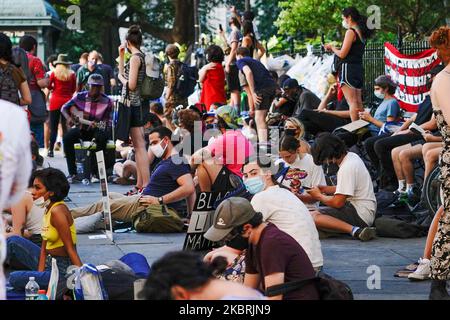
(58, 232)
(63, 84)
(351, 73)
(132, 76)
(212, 78)
(440, 98)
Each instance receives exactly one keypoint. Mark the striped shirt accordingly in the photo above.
(98, 110)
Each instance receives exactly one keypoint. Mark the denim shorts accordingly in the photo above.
(62, 262)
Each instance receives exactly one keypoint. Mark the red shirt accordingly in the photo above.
(214, 87)
(37, 71)
(62, 91)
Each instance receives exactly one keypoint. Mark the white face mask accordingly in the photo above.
(345, 24)
(379, 94)
(41, 203)
(157, 150)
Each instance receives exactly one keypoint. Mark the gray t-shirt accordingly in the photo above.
(235, 36)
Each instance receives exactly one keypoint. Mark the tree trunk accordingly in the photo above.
(183, 27)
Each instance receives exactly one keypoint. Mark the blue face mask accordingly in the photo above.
(212, 126)
(254, 185)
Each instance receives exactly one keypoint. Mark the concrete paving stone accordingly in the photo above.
(343, 257)
(362, 273)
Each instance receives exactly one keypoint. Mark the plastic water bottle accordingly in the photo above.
(31, 289)
(42, 295)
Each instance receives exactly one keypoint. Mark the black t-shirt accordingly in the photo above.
(424, 112)
(278, 252)
(108, 74)
(164, 180)
(307, 100)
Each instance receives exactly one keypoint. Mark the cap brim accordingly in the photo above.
(213, 234)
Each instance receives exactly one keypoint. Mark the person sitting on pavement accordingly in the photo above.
(273, 257)
(304, 98)
(223, 156)
(170, 183)
(303, 172)
(261, 86)
(350, 206)
(293, 127)
(92, 110)
(58, 233)
(184, 276)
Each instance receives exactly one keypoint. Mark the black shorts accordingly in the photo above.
(351, 74)
(137, 117)
(347, 214)
(233, 79)
(267, 95)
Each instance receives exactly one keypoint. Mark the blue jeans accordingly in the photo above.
(38, 130)
(27, 253)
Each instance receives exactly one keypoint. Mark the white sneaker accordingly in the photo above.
(422, 272)
(94, 180)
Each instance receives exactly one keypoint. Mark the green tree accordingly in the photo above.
(416, 18)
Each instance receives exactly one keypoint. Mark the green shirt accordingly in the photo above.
(83, 75)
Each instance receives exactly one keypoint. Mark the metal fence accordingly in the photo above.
(373, 60)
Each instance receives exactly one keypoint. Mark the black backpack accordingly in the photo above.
(328, 287)
(186, 80)
(8, 87)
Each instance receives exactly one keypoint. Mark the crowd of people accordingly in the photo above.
(314, 179)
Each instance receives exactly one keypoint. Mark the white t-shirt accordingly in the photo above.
(303, 172)
(354, 180)
(15, 166)
(282, 208)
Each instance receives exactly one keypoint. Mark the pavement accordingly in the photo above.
(367, 267)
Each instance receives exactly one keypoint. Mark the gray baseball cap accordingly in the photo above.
(231, 213)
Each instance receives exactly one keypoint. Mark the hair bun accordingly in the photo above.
(134, 29)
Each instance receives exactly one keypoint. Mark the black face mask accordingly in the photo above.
(238, 243)
(290, 132)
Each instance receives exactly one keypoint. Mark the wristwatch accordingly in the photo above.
(160, 200)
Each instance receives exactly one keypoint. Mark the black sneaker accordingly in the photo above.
(365, 234)
(50, 154)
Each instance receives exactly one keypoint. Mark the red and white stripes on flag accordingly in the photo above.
(409, 72)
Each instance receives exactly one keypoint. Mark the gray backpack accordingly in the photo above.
(8, 87)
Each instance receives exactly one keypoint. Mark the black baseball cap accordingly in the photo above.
(290, 84)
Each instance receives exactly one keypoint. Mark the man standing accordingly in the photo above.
(262, 87)
(272, 258)
(92, 109)
(84, 72)
(15, 166)
(37, 81)
(108, 75)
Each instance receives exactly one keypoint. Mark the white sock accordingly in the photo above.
(409, 187)
(401, 185)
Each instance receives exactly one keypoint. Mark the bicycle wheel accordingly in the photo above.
(432, 188)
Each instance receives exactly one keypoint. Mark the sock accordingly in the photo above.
(401, 185)
(409, 187)
(354, 229)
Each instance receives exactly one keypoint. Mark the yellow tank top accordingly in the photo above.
(51, 235)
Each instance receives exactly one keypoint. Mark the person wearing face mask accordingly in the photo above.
(303, 172)
(350, 206)
(294, 128)
(85, 71)
(92, 109)
(350, 70)
(387, 112)
(281, 207)
(58, 232)
(303, 98)
(384, 146)
(273, 257)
